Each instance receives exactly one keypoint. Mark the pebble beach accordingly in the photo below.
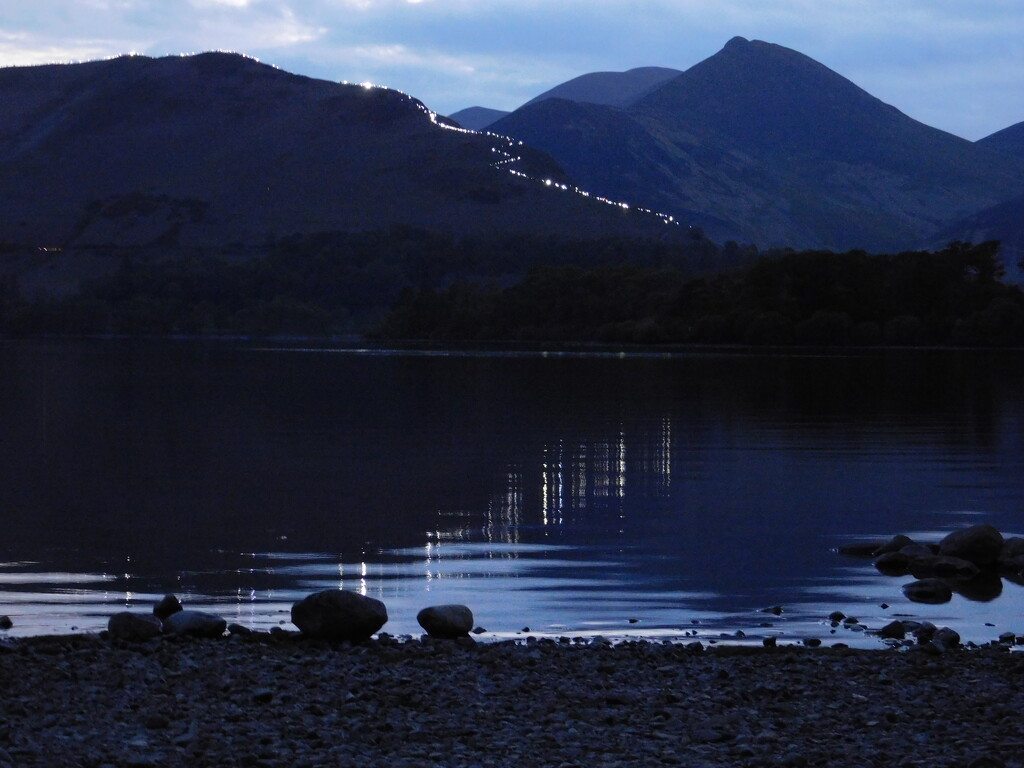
(280, 699)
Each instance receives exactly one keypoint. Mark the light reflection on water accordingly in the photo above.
(624, 495)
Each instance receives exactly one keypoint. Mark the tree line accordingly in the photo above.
(405, 283)
(955, 296)
(317, 284)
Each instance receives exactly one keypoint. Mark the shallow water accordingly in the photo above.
(577, 493)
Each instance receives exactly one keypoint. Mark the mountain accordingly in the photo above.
(616, 89)
(220, 153)
(249, 151)
(768, 146)
(1009, 140)
(613, 89)
(477, 118)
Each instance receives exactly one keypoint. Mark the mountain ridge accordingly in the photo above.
(783, 150)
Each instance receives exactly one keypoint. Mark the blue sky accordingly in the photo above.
(952, 64)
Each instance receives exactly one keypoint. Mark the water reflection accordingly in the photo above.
(565, 492)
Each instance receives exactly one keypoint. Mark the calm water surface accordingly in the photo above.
(577, 494)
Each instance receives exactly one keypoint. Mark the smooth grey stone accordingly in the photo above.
(448, 621)
(338, 615)
(136, 627)
(195, 624)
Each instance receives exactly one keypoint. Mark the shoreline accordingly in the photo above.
(276, 699)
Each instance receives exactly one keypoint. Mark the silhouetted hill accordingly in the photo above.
(1009, 140)
(778, 150)
(219, 152)
(613, 89)
(477, 118)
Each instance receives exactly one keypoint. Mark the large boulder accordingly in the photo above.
(195, 624)
(446, 620)
(980, 544)
(893, 564)
(134, 627)
(928, 591)
(338, 615)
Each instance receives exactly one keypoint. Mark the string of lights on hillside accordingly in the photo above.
(508, 159)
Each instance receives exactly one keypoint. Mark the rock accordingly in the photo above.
(169, 605)
(448, 621)
(156, 722)
(239, 629)
(195, 624)
(134, 627)
(770, 642)
(812, 642)
(1008, 637)
(985, 586)
(943, 566)
(893, 564)
(946, 638)
(5, 622)
(896, 630)
(895, 544)
(263, 696)
(916, 550)
(836, 616)
(924, 631)
(338, 615)
(775, 609)
(932, 591)
(980, 544)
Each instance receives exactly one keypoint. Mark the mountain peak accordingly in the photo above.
(736, 42)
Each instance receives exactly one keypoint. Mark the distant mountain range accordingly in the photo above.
(218, 152)
(184, 157)
(761, 144)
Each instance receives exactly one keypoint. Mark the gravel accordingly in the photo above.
(281, 700)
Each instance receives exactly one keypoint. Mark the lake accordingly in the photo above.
(664, 495)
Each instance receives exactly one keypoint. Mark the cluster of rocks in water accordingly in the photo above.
(333, 615)
(972, 562)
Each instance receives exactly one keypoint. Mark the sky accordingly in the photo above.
(951, 64)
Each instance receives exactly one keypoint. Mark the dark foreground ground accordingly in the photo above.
(85, 701)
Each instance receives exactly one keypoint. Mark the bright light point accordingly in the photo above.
(548, 182)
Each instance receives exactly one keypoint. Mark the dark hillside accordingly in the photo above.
(219, 155)
(774, 148)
